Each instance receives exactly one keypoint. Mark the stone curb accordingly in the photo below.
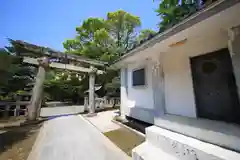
(34, 150)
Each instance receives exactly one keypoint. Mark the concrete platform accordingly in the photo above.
(73, 138)
(167, 145)
(218, 133)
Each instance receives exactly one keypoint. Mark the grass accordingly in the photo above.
(125, 139)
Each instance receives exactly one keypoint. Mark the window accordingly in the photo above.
(138, 77)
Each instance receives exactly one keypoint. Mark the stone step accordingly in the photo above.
(146, 151)
(186, 148)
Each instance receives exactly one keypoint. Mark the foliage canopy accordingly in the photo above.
(172, 12)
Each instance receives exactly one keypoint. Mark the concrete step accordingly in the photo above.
(219, 133)
(186, 148)
(146, 151)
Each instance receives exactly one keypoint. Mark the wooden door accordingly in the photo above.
(215, 87)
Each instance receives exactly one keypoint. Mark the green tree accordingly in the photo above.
(64, 86)
(123, 27)
(15, 76)
(172, 12)
(145, 34)
(92, 40)
(106, 40)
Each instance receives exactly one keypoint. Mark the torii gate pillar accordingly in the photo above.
(91, 92)
(35, 103)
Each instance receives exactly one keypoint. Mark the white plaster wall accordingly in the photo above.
(179, 93)
(179, 98)
(140, 96)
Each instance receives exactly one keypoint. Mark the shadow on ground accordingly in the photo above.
(10, 136)
(134, 123)
(60, 115)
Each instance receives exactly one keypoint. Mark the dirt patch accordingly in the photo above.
(12, 119)
(16, 143)
(125, 139)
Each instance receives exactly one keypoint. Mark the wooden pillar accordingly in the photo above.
(37, 92)
(91, 92)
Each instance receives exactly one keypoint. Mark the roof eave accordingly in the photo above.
(201, 15)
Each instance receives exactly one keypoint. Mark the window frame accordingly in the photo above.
(145, 76)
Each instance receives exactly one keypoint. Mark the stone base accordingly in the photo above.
(142, 114)
(166, 145)
(121, 118)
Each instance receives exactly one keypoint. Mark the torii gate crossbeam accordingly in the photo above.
(70, 67)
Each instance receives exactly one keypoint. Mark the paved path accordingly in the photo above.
(73, 138)
(103, 121)
(61, 110)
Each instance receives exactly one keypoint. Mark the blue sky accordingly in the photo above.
(50, 22)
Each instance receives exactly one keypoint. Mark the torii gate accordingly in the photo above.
(46, 58)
